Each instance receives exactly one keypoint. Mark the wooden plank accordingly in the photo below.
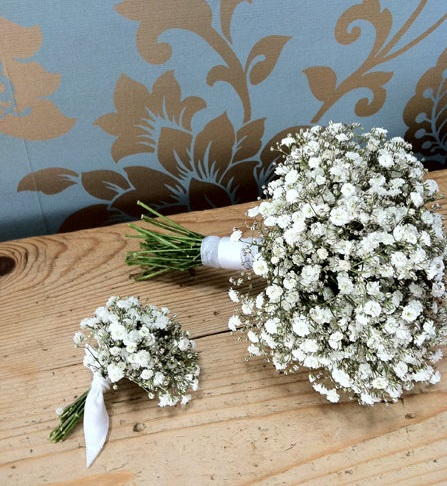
(246, 426)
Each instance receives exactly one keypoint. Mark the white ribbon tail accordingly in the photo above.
(225, 253)
(96, 419)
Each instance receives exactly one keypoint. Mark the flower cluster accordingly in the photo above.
(143, 344)
(354, 266)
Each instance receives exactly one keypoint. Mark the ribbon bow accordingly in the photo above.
(96, 419)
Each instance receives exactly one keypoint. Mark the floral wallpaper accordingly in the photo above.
(177, 103)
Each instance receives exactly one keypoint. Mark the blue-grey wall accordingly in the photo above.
(176, 102)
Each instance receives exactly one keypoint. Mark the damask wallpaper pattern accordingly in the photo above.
(176, 102)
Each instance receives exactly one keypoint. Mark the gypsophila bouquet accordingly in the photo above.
(142, 343)
(353, 258)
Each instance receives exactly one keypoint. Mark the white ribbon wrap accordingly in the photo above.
(227, 253)
(96, 419)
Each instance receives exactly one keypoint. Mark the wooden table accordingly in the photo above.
(246, 426)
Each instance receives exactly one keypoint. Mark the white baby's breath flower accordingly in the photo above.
(115, 372)
(78, 339)
(348, 189)
(118, 332)
(126, 339)
(372, 308)
(341, 377)
(301, 326)
(234, 296)
(233, 323)
(253, 337)
(333, 396)
(309, 346)
(271, 325)
(253, 212)
(435, 378)
(287, 141)
(166, 400)
(185, 399)
(335, 340)
(146, 374)
(260, 266)
(401, 369)
(411, 311)
(353, 258)
(340, 216)
(274, 292)
(254, 350)
(89, 322)
(291, 176)
(385, 159)
(417, 199)
(366, 399)
(159, 378)
(292, 195)
(236, 235)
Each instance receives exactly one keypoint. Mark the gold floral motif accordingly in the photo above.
(220, 163)
(24, 110)
(216, 166)
(142, 116)
(227, 8)
(426, 115)
(48, 181)
(323, 80)
(177, 15)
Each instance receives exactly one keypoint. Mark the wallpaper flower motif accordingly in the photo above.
(214, 167)
(224, 161)
(141, 116)
(219, 165)
(426, 115)
(24, 86)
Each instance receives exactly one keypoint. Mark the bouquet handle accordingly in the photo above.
(229, 254)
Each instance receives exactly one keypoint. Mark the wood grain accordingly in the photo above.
(246, 426)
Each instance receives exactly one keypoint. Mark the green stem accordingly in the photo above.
(176, 248)
(69, 418)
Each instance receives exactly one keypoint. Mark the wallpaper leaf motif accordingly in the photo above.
(49, 181)
(239, 177)
(156, 16)
(213, 147)
(370, 11)
(374, 82)
(270, 48)
(205, 194)
(219, 73)
(426, 114)
(322, 81)
(173, 151)
(363, 77)
(147, 185)
(249, 139)
(25, 113)
(218, 165)
(104, 184)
